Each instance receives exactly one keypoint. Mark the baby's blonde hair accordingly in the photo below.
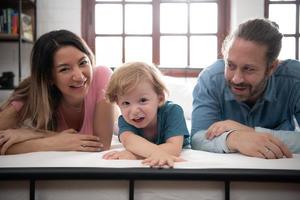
(127, 77)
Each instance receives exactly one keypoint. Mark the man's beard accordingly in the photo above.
(254, 92)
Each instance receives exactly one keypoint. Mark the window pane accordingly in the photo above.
(138, 49)
(173, 51)
(288, 48)
(109, 51)
(108, 19)
(138, 19)
(284, 16)
(173, 18)
(203, 51)
(203, 17)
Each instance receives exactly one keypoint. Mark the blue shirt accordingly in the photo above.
(275, 112)
(170, 122)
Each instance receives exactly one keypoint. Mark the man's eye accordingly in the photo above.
(230, 66)
(249, 69)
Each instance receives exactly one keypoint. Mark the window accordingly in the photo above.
(286, 15)
(179, 36)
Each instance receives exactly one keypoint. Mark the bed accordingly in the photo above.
(203, 175)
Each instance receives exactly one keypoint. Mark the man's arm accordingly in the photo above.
(290, 138)
(218, 144)
(244, 140)
(206, 111)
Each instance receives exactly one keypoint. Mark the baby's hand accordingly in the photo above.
(120, 155)
(161, 159)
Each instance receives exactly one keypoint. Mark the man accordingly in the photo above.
(250, 101)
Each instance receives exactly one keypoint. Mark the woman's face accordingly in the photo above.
(72, 73)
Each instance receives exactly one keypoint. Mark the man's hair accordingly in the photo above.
(128, 76)
(260, 31)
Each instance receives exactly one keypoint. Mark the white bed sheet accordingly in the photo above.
(193, 160)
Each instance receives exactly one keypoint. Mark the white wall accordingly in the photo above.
(241, 10)
(58, 14)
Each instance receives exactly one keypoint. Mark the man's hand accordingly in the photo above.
(218, 128)
(262, 145)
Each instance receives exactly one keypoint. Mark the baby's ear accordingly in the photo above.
(161, 98)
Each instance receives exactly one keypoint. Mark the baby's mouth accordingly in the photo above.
(138, 119)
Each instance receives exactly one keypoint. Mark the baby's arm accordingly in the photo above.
(173, 145)
(156, 156)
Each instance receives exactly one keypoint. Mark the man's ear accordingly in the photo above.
(272, 67)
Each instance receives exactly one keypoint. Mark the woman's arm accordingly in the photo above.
(15, 140)
(8, 118)
(68, 140)
(106, 115)
(8, 134)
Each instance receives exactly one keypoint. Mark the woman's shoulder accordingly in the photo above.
(102, 71)
(101, 76)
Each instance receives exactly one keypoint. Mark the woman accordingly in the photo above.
(63, 95)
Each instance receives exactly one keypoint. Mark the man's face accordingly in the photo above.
(246, 70)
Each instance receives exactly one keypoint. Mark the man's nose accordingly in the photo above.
(238, 77)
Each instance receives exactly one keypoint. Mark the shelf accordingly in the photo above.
(25, 10)
(12, 38)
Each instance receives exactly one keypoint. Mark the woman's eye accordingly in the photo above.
(84, 62)
(63, 69)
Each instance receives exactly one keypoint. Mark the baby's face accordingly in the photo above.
(139, 106)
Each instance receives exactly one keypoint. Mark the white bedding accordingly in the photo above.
(194, 160)
(146, 189)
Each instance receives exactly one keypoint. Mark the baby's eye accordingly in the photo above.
(143, 100)
(125, 103)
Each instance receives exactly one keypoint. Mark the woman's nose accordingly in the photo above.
(77, 75)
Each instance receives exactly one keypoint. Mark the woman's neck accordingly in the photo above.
(72, 106)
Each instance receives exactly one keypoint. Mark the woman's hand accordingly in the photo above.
(70, 140)
(10, 137)
(161, 159)
(120, 155)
